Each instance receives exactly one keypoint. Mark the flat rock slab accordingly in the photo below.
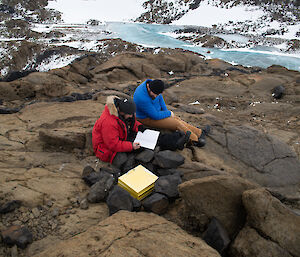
(257, 156)
(132, 234)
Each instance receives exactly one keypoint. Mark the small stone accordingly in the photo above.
(49, 203)
(22, 158)
(17, 222)
(73, 200)
(22, 209)
(68, 211)
(14, 251)
(84, 204)
(55, 212)
(35, 212)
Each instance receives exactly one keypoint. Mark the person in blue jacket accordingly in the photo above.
(152, 111)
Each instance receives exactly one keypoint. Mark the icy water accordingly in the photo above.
(152, 35)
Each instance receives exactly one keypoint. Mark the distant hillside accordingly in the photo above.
(23, 48)
(29, 10)
(163, 11)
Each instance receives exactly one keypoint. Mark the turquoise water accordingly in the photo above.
(152, 35)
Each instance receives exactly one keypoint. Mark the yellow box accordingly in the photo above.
(139, 182)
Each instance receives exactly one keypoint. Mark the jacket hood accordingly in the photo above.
(111, 105)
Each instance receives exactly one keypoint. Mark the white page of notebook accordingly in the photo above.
(147, 139)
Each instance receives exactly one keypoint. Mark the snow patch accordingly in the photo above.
(80, 11)
(208, 15)
(55, 62)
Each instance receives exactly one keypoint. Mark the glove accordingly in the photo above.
(141, 128)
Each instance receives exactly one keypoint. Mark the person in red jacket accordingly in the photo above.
(114, 132)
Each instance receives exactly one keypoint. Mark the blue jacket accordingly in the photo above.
(146, 107)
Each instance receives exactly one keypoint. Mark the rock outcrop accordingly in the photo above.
(273, 220)
(133, 234)
(215, 196)
(45, 142)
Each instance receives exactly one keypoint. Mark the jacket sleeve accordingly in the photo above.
(112, 140)
(149, 110)
(162, 103)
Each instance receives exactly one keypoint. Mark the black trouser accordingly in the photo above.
(119, 159)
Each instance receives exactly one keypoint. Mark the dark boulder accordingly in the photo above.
(168, 185)
(165, 172)
(145, 156)
(119, 199)
(9, 110)
(157, 203)
(137, 205)
(100, 189)
(216, 236)
(87, 171)
(92, 178)
(168, 159)
(278, 92)
(17, 235)
(130, 163)
(85, 96)
(10, 206)
(13, 75)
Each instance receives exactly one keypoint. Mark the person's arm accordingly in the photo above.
(110, 134)
(162, 103)
(149, 110)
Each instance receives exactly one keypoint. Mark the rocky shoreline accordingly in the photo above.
(246, 177)
(212, 38)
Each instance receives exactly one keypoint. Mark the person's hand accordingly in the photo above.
(172, 114)
(141, 128)
(136, 146)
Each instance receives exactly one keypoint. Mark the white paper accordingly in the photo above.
(147, 139)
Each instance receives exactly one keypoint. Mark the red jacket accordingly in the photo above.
(110, 133)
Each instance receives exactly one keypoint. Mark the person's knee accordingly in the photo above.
(119, 160)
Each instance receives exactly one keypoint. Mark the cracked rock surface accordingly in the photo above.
(132, 234)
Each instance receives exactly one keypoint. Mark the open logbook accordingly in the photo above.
(147, 139)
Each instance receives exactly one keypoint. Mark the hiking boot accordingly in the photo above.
(206, 130)
(200, 143)
(183, 140)
(201, 140)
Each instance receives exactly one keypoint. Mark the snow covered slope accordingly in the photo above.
(31, 28)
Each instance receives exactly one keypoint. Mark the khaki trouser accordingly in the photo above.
(173, 123)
